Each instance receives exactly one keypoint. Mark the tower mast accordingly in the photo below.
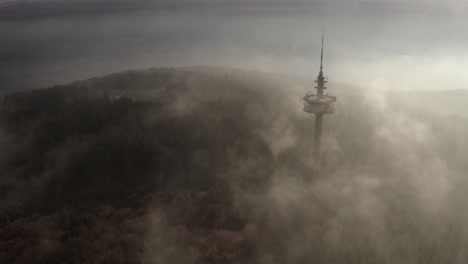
(319, 105)
(319, 116)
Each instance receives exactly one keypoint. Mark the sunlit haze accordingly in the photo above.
(408, 45)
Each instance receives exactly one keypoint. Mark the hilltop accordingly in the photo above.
(210, 165)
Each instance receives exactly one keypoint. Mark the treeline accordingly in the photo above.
(193, 166)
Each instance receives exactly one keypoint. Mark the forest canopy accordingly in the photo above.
(206, 165)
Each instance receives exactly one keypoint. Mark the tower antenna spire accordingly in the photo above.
(321, 54)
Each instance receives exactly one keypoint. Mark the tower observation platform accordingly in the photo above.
(315, 104)
(319, 104)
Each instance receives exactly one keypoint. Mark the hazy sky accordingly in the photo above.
(415, 44)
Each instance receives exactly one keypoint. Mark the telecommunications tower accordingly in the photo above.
(319, 105)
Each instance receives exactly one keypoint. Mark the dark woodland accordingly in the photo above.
(208, 165)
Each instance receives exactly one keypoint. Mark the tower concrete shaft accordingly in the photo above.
(318, 136)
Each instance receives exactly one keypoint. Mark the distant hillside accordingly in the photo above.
(209, 165)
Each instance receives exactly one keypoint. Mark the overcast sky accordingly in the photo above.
(413, 44)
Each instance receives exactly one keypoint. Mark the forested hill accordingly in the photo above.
(208, 165)
(153, 129)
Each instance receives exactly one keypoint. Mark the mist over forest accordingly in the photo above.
(212, 165)
(116, 148)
